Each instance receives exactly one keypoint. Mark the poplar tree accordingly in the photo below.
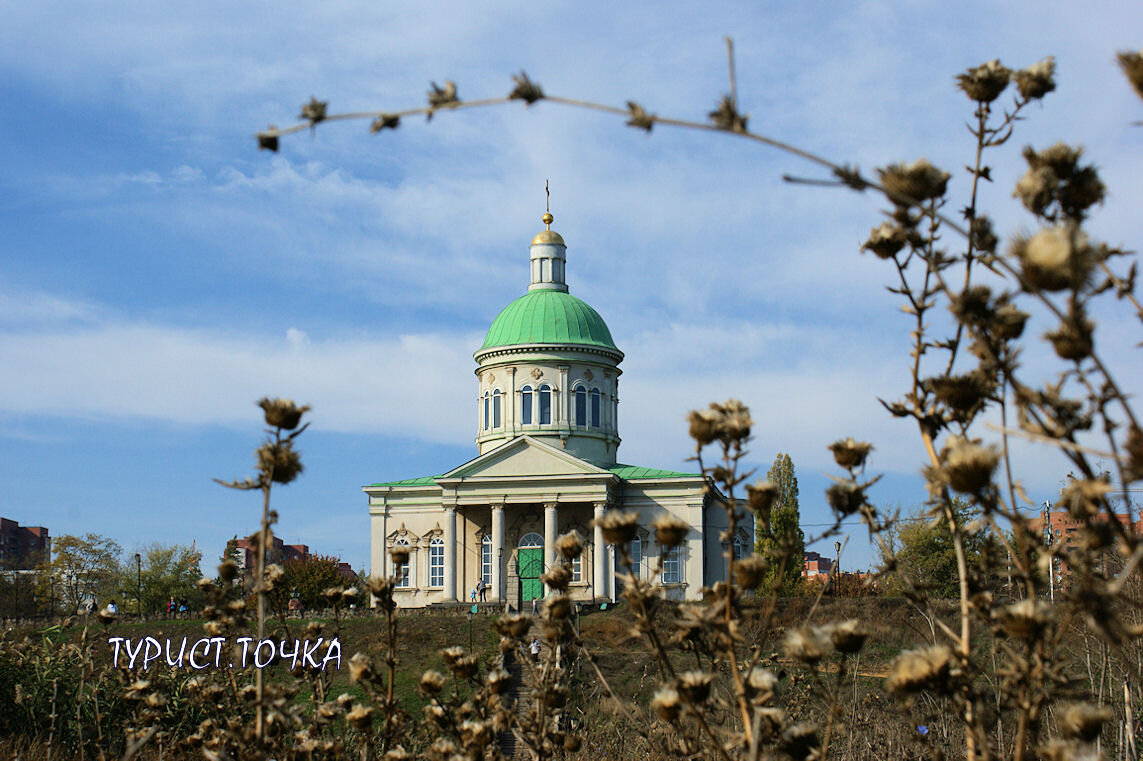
(782, 541)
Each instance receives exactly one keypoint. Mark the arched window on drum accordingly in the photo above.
(526, 405)
(581, 406)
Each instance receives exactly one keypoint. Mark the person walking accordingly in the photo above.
(482, 589)
(534, 649)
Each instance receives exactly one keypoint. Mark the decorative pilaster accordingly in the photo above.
(450, 555)
(378, 553)
(551, 521)
(598, 553)
(510, 402)
(498, 553)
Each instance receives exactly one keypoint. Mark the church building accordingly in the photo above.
(547, 419)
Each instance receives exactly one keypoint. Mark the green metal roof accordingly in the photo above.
(422, 481)
(548, 317)
(635, 473)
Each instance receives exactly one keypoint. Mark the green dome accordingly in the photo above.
(548, 317)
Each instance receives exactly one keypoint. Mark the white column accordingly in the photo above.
(497, 552)
(551, 523)
(599, 554)
(450, 555)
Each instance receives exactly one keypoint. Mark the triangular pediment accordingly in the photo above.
(524, 456)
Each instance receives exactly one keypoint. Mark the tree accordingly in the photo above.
(782, 541)
(924, 556)
(308, 579)
(83, 568)
(167, 571)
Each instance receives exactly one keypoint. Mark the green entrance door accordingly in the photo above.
(531, 560)
(530, 567)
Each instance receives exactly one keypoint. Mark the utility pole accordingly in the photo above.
(837, 569)
(1048, 539)
(139, 583)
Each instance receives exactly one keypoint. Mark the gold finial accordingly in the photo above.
(547, 236)
(547, 218)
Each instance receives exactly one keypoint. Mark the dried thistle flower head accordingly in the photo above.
(557, 607)
(885, 240)
(670, 531)
(443, 97)
(1024, 619)
(282, 413)
(400, 554)
(1132, 65)
(963, 394)
(279, 461)
(569, 546)
(849, 453)
(728, 422)
(845, 497)
(727, 117)
(968, 465)
(703, 426)
(808, 644)
(498, 681)
(760, 498)
(525, 89)
(1085, 497)
(556, 696)
(557, 577)
(513, 626)
(228, 570)
(452, 654)
(913, 183)
(465, 667)
(921, 669)
(847, 636)
(474, 735)
(314, 111)
(666, 704)
(1037, 80)
(1009, 322)
(735, 423)
(1072, 340)
(750, 571)
(379, 586)
(618, 527)
(360, 668)
(432, 682)
(361, 717)
(760, 685)
(1055, 259)
(1083, 721)
(1055, 179)
(695, 686)
(800, 741)
(985, 82)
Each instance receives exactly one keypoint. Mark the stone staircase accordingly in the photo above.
(520, 695)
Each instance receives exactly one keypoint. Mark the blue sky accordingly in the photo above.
(158, 274)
